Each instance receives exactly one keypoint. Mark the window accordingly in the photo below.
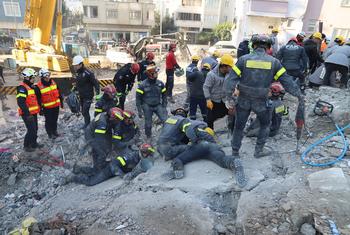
(345, 3)
(289, 22)
(211, 18)
(191, 3)
(85, 11)
(112, 13)
(133, 15)
(344, 32)
(93, 12)
(12, 9)
(212, 3)
(188, 16)
(228, 47)
(311, 26)
(227, 3)
(147, 15)
(225, 18)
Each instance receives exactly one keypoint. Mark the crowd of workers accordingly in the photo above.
(218, 86)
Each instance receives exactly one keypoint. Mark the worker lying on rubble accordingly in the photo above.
(124, 81)
(127, 165)
(277, 109)
(151, 98)
(98, 135)
(107, 101)
(125, 133)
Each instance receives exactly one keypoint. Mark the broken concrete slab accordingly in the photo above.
(329, 180)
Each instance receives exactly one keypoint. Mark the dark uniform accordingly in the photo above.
(254, 74)
(197, 98)
(124, 81)
(124, 136)
(143, 65)
(313, 52)
(243, 48)
(191, 68)
(85, 84)
(104, 104)
(28, 109)
(151, 98)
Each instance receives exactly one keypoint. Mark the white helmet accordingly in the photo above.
(28, 73)
(44, 73)
(77, 59)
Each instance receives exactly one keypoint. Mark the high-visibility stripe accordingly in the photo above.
(51, 103)
(118, 116)
(117, 137)
(21, 95)
(33, 108)
(280, 109)
(256, 64)
(121, 160)
(100, 131)
(48, 89)
(171, 121)
(237, 70)
(98, 110)
(152, 150)
(31, 92)
(280, 73)
(139, 91)
(185, 126)
(163, 90)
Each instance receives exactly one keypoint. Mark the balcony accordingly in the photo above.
(268, 8)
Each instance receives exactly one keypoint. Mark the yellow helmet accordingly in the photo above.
(210, 131)
(226, 59)
(317, 35)
(195, 58)
(207, 66)
(216, 53)
(275, 30)
(339, 39)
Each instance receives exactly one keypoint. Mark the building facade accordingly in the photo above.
(11, 18)
(118, 19)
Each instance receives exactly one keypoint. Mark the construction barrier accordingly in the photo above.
(8, 90)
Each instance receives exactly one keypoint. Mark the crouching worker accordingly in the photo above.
(107, 101)
(128, 166)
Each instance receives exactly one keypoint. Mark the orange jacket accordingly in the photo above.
(50, 97)
(31, 100)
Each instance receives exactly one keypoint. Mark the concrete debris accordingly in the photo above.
(307, 229)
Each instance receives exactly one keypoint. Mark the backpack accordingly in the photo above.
(73, 102)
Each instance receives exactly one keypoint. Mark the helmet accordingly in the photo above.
(277, 89)
(116, 114)
(226, 59)
(195, 58)
(179, 72)
(206, 66)
(275, 30)
(135, 68)
(216, 53)
(129, 114)
(172, 46)
(180, 112)
(150, 56)
(339, 39)
(29, 73)
(261, 40)
(78, 59)
(147, 149)
(151, 71)
(109, 90)
(302, 34)
(44, 73)
(317, 35)
(294, 39)
(210, 131)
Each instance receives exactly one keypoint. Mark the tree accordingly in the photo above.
(205, 37)
(168, 25)
(223, 31)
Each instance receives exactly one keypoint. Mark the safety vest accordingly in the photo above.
(31, 100)
(50, 97)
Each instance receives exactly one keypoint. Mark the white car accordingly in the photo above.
(224, 47)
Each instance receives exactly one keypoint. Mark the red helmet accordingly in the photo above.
(135, 68)
(109, 90)
(151, 71)
(129, 114)
(172, 46)
(277, 89)
(147, 149)
(116, 114)
(150, 56)
(293, 39)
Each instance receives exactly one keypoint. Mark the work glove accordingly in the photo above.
(210, 104)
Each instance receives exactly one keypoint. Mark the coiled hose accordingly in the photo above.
(340, 132)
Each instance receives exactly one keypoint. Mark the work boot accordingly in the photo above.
(261, 151)
(171, 100)
(29, 149)
(56, 134)
(178, 169)
(38, 146)
(239, 174)
(52, 136)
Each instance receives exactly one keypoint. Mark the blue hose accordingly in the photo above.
(314, 145)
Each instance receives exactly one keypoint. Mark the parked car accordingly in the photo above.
(224, 47)
(105, 44)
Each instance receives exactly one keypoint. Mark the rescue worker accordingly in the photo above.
(191, 69)
(338, 41)
(212, 60)
(300, 38)
(170, 66)
(324, 43)
(98, 135)
(151, 98)
(312, 49)
(128, 166)
(278, 109)
(28, 108)
(294, 59)
(107, 101)
(274, 41)
(125, 133)
(50, 101)
(197, 97)
(143, 65)
(243, 48)
(213, 90)
(124, 81)
(338, 60)
(85, 83)
(253, 76)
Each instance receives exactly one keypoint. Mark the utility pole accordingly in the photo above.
(161, 18)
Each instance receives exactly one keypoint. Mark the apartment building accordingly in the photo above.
(118, 19)
(11, 18)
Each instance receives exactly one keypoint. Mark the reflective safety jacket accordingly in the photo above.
(172, 131)
(31, 106)
(50, 97)
(123, 135)
(104, 104)
(126, 162)
(150, 92)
